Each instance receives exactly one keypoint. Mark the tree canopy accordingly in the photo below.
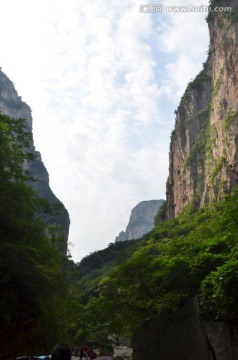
(192, 255)
(32, 281)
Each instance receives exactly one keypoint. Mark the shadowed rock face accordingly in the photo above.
(141, 220)
(188, 337)
(203, 150)
(12, 105)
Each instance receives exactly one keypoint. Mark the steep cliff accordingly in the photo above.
(203, 151)
(12, 105)
(141, 220)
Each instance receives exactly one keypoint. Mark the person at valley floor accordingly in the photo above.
(85, 350)
(81, 353)
(61, 352)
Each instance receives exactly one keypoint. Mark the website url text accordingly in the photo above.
(154, 8)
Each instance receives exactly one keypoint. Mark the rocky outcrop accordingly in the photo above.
(203, 151)
(141, 220)
(12, 105)
(187, 337)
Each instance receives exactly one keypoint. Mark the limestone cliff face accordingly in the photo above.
(12, 105)
(203, 150)
(141, 220)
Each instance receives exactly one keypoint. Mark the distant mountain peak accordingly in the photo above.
(141, 220)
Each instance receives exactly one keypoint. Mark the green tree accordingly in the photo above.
(192, 255)
(32, 279)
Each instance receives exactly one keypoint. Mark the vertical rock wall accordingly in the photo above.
(204, 143)
(188, 337)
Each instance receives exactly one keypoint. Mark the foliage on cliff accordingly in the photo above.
(112, 291)
(32, 283)
(194, 254)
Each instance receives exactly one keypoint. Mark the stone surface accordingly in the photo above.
(12, 105)
(141, 220)
(223, 338)
(203, 151)
(122, 352)
(187, 337)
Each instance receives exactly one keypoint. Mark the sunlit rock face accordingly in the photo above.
(12, 105)
(141, 220)
(203, 150)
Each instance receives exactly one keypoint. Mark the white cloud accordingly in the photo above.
(185, 36)
(102, 114)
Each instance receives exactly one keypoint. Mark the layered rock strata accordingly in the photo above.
(203, 150)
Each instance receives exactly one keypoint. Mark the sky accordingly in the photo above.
(103, 81)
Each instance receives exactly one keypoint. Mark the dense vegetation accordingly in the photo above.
(194, 254)
(113, 291)
(32, 279)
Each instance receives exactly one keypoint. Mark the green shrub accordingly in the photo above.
(217, 168)
(230, 117)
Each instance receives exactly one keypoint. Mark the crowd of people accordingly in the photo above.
(86, 352)
(64, 352)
